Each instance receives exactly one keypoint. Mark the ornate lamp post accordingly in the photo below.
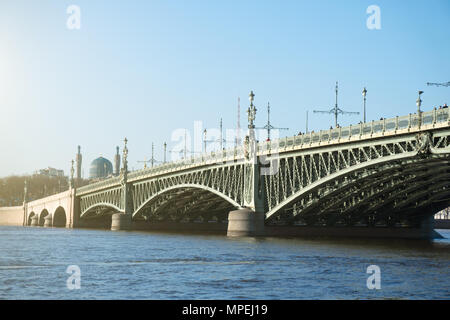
(125, 176)
(419, 113)
(122, 221)
(25, 192)
(249, 143)
(153, 153)
(71, 175)
(364, 93)
(249, 220)
(125, 156)
(165, 151)
(251, 111)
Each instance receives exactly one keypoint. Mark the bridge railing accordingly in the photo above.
(99, 185)
(203, 159)
(361, 130)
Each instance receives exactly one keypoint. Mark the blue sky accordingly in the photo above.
(143, 69)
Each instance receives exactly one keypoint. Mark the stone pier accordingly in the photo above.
(245, 223)
(35, 221)
(121, 221)
(48, 221)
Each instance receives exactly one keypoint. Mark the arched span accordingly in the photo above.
(389, 178)
(381, 201)
(59, 218)
(185, 186)
(100, 205)
(42, 216)
(30, 218)
(317, 184)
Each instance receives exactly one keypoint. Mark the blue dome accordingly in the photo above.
(100, 168)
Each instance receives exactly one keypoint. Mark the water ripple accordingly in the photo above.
(141, 265)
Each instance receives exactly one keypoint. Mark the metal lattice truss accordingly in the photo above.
(189, 194)
(383, 180)
(101, 201)
(203, 192)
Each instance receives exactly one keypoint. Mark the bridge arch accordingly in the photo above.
(376, 194)
(202, 192)
(30, 218)
(352, 189)
(101, 207)
(44, 213)
(341, 173)
(390, 198)
(59, 218)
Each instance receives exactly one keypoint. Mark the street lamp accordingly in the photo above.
(364, 93)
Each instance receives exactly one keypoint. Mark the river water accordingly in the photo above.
(144, 265)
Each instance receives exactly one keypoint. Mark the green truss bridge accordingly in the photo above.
(381, 178)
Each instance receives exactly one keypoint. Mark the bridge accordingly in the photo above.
(386, 177)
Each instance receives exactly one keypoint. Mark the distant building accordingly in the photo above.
(51, 172)
(100, 168)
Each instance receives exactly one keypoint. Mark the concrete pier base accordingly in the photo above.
(427, 228)
(34, 221)
(245, 223)
(48, 221)
(120, 221)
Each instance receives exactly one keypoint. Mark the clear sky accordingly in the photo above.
(143, 69)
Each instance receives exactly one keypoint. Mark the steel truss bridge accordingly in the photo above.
(390, 172)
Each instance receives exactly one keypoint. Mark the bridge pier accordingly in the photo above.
(245, 223)
(34, 221)
(427, 229)
(48, 221)
(120, 221)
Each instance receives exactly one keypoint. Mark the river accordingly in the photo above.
(143, 265)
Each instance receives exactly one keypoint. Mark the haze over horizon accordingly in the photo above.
(144, 69)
